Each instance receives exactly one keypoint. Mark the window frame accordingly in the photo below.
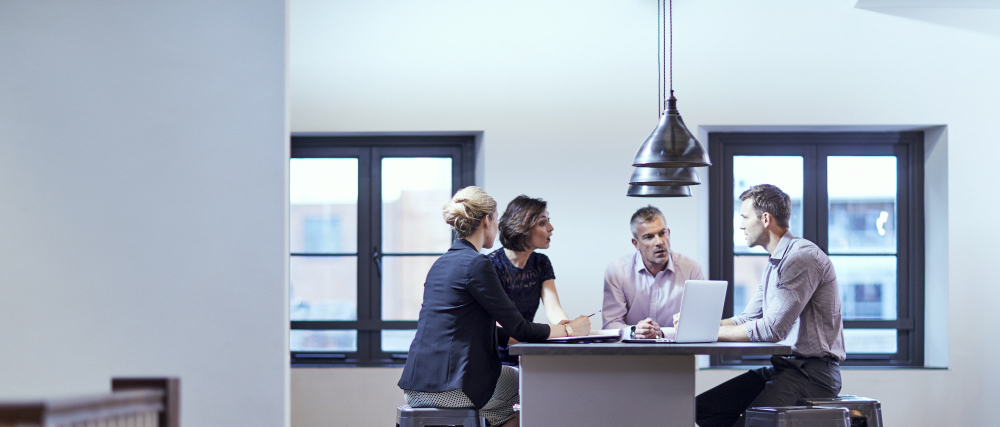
(814, 147)
(369, 149)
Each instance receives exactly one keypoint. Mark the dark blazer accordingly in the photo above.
(456, 342)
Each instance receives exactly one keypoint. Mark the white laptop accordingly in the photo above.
(701, 313)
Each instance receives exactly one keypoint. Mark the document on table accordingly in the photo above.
(597, 334)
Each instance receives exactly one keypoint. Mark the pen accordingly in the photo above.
(592, 314)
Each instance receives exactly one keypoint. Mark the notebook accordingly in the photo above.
(596, 335)
(701, 312)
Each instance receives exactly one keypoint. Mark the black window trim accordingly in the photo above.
(813, 146)
(460, 146)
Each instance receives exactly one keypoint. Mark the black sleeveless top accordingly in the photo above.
(523, 285)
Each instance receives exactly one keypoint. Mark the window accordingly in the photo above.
(859, 196)
(365, 227)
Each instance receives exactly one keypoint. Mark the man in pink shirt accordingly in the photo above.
(643, 290)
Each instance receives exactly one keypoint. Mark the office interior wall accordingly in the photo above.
(936, 247)
(565, 91)
(143, 212)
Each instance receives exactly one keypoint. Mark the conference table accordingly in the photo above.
(616, 384)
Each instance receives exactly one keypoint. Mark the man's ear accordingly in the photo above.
(635, 243)
(766, 219)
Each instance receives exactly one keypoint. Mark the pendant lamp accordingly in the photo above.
(671, 144)
(659, 191)
(664, 176)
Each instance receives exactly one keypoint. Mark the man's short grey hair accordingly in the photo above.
(647, 214)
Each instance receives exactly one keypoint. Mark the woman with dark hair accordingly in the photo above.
(526, 275)
(453, 360)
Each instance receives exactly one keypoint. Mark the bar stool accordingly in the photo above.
(420, 417)
(797, 416)
(864, 412)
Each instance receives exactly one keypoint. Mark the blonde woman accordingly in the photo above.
(453, 361)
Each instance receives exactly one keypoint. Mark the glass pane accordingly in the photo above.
(862, 207)
(747, 271)
(782, 171)
(867, 286)
(871, 341)
(397, 341)
(413, 191)
(323, 215)
(323, 288)
(302, 340)
(403, 285)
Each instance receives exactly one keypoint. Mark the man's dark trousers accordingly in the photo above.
(788, 379)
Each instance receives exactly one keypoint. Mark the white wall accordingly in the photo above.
(143, 208)
(565, 91)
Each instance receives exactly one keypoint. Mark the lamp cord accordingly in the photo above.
(667, 25)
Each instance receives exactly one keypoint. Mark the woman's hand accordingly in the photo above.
(579, 326)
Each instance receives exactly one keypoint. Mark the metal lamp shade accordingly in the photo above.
(671, 145)
(659, 191)
(664, 176)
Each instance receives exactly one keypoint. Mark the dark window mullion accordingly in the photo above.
(720, 265)
(367, 325)
(322, 254)
(456, 173)
(909, 244)
(904, 338)
(915, 240)
(728, 257)
(366, 222)
(902, 232)
(863, 254)
(901, 324)
(813, 196)
(820, 190)
(375, 289)
(407, 254)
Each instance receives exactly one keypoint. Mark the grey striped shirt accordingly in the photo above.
(798, 302)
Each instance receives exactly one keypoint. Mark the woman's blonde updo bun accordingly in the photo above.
(467, 209)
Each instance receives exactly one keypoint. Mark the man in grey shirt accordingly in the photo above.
(797, 303)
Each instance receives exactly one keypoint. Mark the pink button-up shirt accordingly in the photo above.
(631, 294)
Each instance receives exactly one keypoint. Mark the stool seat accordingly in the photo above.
(407, 416)
(797, 416)
(864, 412)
